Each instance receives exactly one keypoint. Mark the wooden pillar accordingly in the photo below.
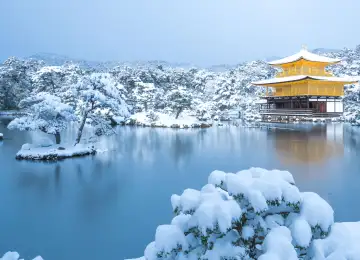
(317, 104)
(267, 91)
(326, 104)
(308, 103)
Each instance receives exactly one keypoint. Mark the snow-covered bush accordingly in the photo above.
(46, 113)
(253, 214)
(16, 256)
(152, 116)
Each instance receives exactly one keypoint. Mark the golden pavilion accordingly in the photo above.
(304, 87)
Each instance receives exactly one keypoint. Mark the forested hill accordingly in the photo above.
(214, 91)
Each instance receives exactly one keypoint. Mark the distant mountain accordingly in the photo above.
(272, 58)
(325, 50)
(53, 59)
(58, 60)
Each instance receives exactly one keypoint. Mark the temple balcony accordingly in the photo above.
(304, 71)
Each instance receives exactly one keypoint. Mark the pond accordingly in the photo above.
(109, 205)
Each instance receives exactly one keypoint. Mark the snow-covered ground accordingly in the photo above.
(156, 119)
(253, 214)
(53, 152)
(16, 256)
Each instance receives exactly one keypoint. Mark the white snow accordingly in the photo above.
(36, 152)
(306, 55)
(215, 212)
(257, 201)
(15, 256)
(181, 221)
(166, 120)
(277, 245)
(247, 232)
(163, 235)
(216, 177)
(316, 211)
(1, 136)
(342, 243)
(189, 200)
(301, 232)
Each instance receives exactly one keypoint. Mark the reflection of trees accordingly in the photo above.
(352, 138)
(98, 187)
(312, 146)
(181, 147)
(40, 180)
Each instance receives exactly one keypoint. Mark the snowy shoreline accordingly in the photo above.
(161, 120)
(53, 152)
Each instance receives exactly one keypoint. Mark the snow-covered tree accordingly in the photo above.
(253, 214)
(46, 113)
(49, 79)
(16, 81)
(144, 95)
(179, 99)
(101, 100)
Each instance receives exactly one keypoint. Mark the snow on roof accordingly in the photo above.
(302, 77)
(306, 55)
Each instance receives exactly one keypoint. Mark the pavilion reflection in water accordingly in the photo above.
(314, 144)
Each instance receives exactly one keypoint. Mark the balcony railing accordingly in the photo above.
(303, 71)
(306, 112)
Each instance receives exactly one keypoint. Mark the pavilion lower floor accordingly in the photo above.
(305, 106)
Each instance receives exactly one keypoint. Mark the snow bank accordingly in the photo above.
(253, 214)
(53, 152)
(156, 119)
(16, 256)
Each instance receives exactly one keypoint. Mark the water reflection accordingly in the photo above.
(313, 145)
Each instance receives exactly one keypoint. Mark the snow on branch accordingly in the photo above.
(45, 112)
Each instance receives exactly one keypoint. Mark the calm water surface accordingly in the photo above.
(109, 205)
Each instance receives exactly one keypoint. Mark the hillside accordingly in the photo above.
(215, 92)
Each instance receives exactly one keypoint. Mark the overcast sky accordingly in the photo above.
(203, 32)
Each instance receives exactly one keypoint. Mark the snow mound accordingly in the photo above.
(1, 136)
(15, 256)
(342, 243)
(253, 214)
(54, 152)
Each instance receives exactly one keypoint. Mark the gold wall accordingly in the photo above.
(309, 87)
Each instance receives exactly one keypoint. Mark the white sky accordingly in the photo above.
(203, 32)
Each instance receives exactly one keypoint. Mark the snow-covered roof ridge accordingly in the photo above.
(306, 55)
(302, 77)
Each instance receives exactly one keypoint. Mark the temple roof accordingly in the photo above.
(306, 55)
(303, 77)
